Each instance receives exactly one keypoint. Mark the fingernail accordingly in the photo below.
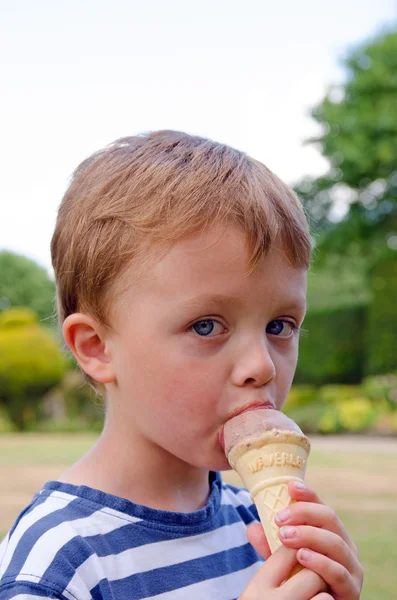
(299, 485)
(282, 516)
(305, 555)
(287, 532)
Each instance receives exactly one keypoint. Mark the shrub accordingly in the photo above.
(30, 364)
(337, 393)
(329, 421)
(300, 395)
(81, 402)
(17, 317)
(72, 406)
(381, 388)
(346, 409)
(357, 414)
(307, 416)
(334, 409)
(5, 423)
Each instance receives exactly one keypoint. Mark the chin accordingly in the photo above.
(219, 463)
(213, 459)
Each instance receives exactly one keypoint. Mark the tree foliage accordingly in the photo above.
(25, 283)
(358, 122)
(31, 363)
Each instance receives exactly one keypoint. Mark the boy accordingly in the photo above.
(181, 277)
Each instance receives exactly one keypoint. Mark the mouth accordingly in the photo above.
(256, 405)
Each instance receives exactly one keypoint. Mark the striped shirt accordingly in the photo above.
(77, 543)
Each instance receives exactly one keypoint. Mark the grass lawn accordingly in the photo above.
(358, 479)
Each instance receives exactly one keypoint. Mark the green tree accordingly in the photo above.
(31, 363)
(25, 283)
(358, 122)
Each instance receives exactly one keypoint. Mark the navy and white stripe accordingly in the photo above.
(76, 543)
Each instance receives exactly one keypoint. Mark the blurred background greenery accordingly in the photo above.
(346, 379)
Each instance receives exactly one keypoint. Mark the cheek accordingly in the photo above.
(190, 394)
(172, 382)
(192, 386)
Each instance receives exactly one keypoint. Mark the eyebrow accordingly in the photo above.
(290, 307)
(214, 299)
(222, 300)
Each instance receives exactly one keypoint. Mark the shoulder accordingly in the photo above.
(50, 540)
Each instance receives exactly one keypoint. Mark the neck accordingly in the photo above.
(134, 468)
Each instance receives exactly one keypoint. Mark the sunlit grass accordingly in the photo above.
(375, 534)
(43, 449)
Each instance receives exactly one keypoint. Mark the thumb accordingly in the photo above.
(256, 537)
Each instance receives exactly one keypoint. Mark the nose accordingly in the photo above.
(254, 366)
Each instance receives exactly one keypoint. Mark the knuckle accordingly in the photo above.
(330, 518)
(341, 577)
(340, 545)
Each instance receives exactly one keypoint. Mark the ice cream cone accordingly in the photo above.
(266, 464)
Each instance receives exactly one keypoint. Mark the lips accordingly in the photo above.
(257, 405)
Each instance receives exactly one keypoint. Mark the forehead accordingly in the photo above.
(213, 265)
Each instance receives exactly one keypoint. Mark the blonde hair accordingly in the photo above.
(160, 187)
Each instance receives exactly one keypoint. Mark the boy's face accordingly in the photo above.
(198, 340)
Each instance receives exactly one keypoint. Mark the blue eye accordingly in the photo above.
(281, 328)
(205, 327)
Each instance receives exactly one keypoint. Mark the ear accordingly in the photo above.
(86, 339)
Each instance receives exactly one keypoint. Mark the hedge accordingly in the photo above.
(382, 318)
(368, 407)
(334, 348)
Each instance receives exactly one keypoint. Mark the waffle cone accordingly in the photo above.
(266, 464)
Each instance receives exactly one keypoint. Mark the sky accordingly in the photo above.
(78, 74)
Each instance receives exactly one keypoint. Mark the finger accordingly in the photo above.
(276, 569)
(304, 583)
(341, 583)
(301, 492)
(323, 596)
(256, 537)
(322, 541)
(315, 515)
